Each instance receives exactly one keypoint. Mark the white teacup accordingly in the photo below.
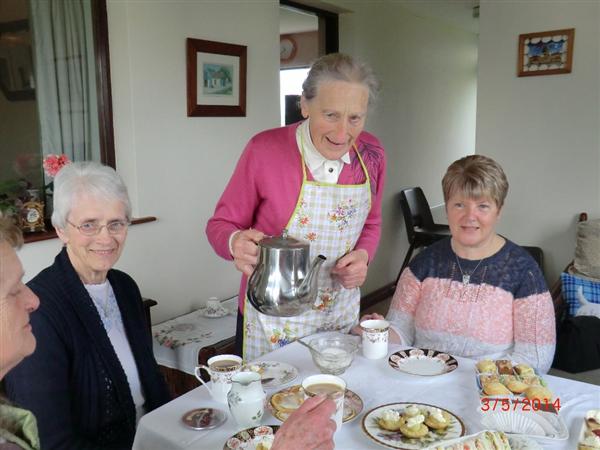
(220, 368)
(375, 333)
(330, 385)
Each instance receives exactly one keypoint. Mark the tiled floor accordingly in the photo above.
(591, 376)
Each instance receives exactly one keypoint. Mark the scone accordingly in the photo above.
(488, 378)
(524, 369)
(538, 392)
(437, 419)
(414, 427)
(495, 388)
(390, 420)
(486, 366)
(516, 386)
(531, 380)
(411, 411)
(504, 366)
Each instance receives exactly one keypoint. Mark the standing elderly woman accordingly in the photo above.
(93, 375)
(18, 428)
(475, 294)
(323, 181)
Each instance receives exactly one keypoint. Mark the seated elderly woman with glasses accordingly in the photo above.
(93, 374)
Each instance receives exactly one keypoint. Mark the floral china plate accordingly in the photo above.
(273, 373)
(423, 361)
(395, 439)
(285, 401)
(255, 438)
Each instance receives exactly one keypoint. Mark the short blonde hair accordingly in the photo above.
(476, 176)
(9, 232)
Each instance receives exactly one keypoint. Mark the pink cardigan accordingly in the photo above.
(265, 185)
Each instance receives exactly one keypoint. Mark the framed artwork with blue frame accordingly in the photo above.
(546, 52)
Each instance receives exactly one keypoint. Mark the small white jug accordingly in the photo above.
(246, 399)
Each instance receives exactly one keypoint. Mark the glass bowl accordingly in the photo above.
(333, 354)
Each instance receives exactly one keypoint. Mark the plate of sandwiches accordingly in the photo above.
(589, 438)
(411, 426)
(503, 378)
(488, 440)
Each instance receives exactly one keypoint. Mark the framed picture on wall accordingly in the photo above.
(216, 78)
(546, 52)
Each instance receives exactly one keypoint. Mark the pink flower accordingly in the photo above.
(53, 164)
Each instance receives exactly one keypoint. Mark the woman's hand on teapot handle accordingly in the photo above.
(244, 249)
(351, 269)
(357, 330)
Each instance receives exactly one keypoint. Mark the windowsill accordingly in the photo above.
(51, 234)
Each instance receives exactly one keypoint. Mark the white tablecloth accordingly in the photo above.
(176, 342)
(377, 384)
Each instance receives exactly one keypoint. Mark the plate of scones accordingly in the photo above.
(503, 378)
(411, 426)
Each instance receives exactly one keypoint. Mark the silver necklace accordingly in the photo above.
(466, 277)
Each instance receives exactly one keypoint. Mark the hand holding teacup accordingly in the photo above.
(331, 386)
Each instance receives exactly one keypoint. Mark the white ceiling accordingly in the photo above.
(457, 13)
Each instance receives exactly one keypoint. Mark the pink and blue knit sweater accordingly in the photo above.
(505, 310)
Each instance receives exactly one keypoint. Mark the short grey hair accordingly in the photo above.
(339, 67)
(86, 178)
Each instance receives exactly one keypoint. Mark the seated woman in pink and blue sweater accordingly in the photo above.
(476, 294)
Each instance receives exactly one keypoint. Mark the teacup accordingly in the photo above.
(221, 369)
(333, 387)
(375, 334)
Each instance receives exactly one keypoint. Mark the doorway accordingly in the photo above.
(305, 33)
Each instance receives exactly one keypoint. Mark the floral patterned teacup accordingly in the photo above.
(221, 369)
(375, 338)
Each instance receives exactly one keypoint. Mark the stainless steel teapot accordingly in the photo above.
(284, 282)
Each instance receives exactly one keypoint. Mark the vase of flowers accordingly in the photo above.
(52, 165)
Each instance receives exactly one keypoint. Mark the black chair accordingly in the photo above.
(420, 228)
(537, 254)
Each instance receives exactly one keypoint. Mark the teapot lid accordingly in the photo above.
(284, 241)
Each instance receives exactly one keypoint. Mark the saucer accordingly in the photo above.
(204, 418)
(285, 401)
(422, 361)
(215, 313)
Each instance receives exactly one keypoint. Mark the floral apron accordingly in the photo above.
(331, 218)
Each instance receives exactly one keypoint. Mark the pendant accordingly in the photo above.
(466, 279)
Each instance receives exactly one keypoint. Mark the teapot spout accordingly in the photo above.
(310, 282)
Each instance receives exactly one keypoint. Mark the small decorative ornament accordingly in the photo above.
(32, 213)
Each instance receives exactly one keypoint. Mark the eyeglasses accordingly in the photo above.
(92, 228)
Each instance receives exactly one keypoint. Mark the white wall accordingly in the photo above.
(426, 112)
(176, 167)
(542, 129)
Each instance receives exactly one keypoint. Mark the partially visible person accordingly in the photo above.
(475, 294)
(323, 181)
(94, 374)
(18, 428)
(310, 427)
